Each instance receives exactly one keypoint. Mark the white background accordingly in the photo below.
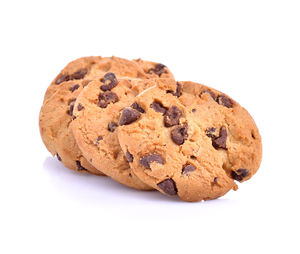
(247, 49)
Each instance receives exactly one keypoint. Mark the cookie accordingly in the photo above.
(191, 141)
(94, 66)
(154, 70)
(56, 112)
(55, 118)
(96, 125)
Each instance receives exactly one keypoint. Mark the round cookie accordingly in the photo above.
(56, 112)
(94, 66)
(192, 141)
(95, 126)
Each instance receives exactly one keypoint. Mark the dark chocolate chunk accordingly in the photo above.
(98, 140)
(158, 107)
(179, 134)
(71, 109)
(220, 142)
(62, 78)
(79, 167)
(79, 107)
(129, 116)
(109, 80)
(73, 88)
(58, 157)
(129, 156)
(211, 93)
(215, 180)
(193, 157)
(210, 132)
(193, 110)
(240, 174)
(168, 186)
(112, 126)
(172, 116)
(79, 74)
(158, 69)
(137, 107)
(224, 101)
(178, 92)
(106, 98)
(148, 159)
(188, 168)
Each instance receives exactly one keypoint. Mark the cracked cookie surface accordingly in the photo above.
(97, 120)
(191, 141)
(57, 110)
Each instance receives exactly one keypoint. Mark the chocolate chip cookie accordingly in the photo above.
(94, 66)
(96, 123)
(190, 140)
(57, 111)
(55, 119)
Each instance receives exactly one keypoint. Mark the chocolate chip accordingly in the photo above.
(109, 80)
(215, 180)
(79, 167)
(62, 78)
(168, 186)
(98, 140)
(172, 116)
(158, 107)
(79, 74)
(211, 93)
(146, 160)
(210, 132)
(137, 107)
(58, 157)
(112, 126)
(178, 92)
(240, 174)
(158, 69)
(71, 109)
(179, 134)
(106, 98)
(220, 142)
(188, 168)
(129, 116)
(73, 88)
(193, 110)
(224, 101)
(79, 107)
(129, 156)
(193, 157)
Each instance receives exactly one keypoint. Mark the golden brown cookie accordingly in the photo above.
(191, 141)
(55, 119)
(56, 112)
(94, 66)
(95, 125)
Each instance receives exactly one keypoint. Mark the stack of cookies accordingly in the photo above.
(131, 121)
